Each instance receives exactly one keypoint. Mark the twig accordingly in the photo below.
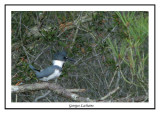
(88, 58)
(109, 34)
(109, 94)
(83, 20)
(135, 99)
(40, 97)
(41, 53)
(98, 61)
(26, 53)
(75, 35)
(112, 79)
(118, 78)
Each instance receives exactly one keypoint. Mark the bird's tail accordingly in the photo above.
(34, 69)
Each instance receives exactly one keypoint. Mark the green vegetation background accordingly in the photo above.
(110, 49)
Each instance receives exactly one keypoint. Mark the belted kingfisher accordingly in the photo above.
(53, 71)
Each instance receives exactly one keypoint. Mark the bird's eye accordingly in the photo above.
(65, 58)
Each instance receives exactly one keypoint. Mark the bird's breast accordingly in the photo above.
(54, 75)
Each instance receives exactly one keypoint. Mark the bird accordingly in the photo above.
(55, 70)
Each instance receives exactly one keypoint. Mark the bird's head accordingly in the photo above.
(62, 56)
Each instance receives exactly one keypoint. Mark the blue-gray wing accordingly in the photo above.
(48, 71)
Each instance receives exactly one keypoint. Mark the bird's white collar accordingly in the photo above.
(58, 63)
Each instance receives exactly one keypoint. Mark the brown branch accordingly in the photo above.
(68, 93)
(54, 87)
(76, 90)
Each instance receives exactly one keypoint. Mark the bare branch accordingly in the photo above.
(54, 87)
(110, 93)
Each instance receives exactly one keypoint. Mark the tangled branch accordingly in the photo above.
(54, 87)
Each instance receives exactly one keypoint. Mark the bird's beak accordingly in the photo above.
(71, 60)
